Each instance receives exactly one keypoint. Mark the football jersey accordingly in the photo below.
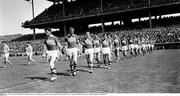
(51, 43)
(105, 43)
(72, 41)
(6, 49)
(29, 49)
(116, 43)
(123, 43)
(88, 43)
(96, 43)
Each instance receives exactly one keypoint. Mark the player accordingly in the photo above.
(143, 45)
(116, 43)
(52, 45)
(152, 46)
(97, 49)
(6, 51)
(111, 44)
(124, 47)
(136, 42)
(72, 52)
(29, 53)
(106, 51)
(131, 47)
(88, 45)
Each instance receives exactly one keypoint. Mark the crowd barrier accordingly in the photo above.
(168, 45)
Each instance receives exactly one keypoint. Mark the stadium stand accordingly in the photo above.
(166, 30)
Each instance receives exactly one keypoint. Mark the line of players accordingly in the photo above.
(91, 46)
(94, 46)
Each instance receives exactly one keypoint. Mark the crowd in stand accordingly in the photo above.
(157, 34)
(164, 30)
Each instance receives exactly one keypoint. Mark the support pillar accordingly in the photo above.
(150, 19)
(64, 27)
(102, 22)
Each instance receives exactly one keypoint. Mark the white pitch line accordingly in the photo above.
(20, 85)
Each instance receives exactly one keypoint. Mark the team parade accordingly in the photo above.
(91, 45)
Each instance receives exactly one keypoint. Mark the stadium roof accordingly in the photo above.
(159, 9)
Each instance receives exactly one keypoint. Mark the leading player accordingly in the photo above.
(52, 45)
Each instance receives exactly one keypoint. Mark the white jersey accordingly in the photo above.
(6, 49)
(29, 49)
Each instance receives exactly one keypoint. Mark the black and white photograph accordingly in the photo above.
(89, 47)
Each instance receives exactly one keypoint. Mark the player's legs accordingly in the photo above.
(51, 57)
(74, 60)
(30, 58)
(109, 61)
(70, 57)
(107, 57)
(117, 54)
(97, 54)
(104, 59)
(6, 60)
(91, 56)
(124, 51)
(104, 52)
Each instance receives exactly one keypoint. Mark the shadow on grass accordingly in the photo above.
(38, 78)
(43, 62)
(100, 67)
(79, 70)
(1, 66)
(28, 64)
(61, 74)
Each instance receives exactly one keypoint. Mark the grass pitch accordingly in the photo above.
(157, 72)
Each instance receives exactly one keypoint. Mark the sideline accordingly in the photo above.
(19, 86)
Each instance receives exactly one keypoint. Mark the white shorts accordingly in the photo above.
(144, 46)
(116, 49)
(106, 50)
(124, 48)
(131, 46)
(97, 50)
(152, 46)
(29, 54)
(149, 45)
(72, 52)
(136, 46)
(90, 53)
(6, 55)
(52, 54)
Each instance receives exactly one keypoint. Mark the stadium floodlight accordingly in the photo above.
(32, 3)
